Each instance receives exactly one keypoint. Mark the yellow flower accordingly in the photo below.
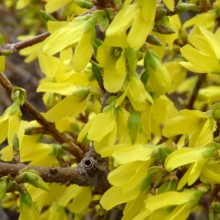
(210, 173)
(70, 106)
(52, 5)
(99, 127)
(22, 4)
(182, 201)
(60, 75)
(159, 79)
(27, 209)
(137, 94)
(195, 124)
(197, 157)
(127, 179)
(111, 56)
(55, 212)
(2, 63)
(37, 153)
(153, 118)
(209, 94)
(139, 16)
(206, 20)
(9, 123)
(177, 73)
(80, 31)
(206, 49)
(169, 4)
(84, 48)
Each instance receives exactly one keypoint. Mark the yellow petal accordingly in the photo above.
(208, 175)
(139, 32)
(122, 174)
(180, 212)
(13, 126)
(122, 20)
(68, 194)
(185, 156)
(143, 23)
(114, 196)
(79, 205)
(135, 152)
(61, 88)
(2, 63)
(48, 70)
(83, 51)
(57, 40)
(207, 62)
(22, 4)
(169, 199)
(169, 4)
(102, 124)
(53, 5)
(70, 106)
(112, 81)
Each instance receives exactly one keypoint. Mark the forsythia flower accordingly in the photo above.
(9, 123)
(2, 63)
(27, 209)
(183, 202)
(136, 93)
(169, 4)
(127, 178)
(206, 49)
(22, 4)
(210, 173)
(55, 212)
(53, 5)
(159, 79)
(140, 17)
(80, 32)
(209, 94)
(195, 124)
(206, 20)
(111, 56)
(101, 129)
(197, 157)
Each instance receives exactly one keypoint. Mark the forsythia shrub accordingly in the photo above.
(132, 121)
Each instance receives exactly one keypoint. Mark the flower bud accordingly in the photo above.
(159, 78)
(4, 182)
(33, 178)
(185, 6)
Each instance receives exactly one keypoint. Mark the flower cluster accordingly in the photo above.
(139, 85)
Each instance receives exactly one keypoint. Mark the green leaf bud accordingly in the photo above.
(4, 183)
(134, 123)
(46, 16)
(18, 95)
(131, 57)
(153, 39)
(84, 3)
(33, 178)
(185, 6)
(163, 29)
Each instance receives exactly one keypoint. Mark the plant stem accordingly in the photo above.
(61, 175)
(7, 49)
(201, 79)
(49, 127)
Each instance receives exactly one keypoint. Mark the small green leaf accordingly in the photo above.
(134, 123)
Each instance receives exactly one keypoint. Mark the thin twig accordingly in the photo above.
(10, 48)
(195, 92)
(89, 172)
(7, 49)
(50, 127)
(48, 174)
